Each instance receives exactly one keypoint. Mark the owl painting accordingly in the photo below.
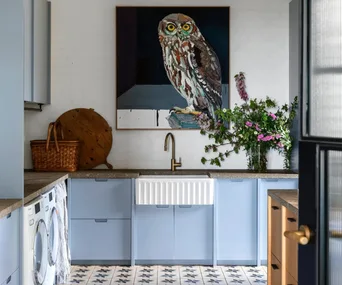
(191, 65)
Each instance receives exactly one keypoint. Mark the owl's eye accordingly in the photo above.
(171, 27)
(186, 27)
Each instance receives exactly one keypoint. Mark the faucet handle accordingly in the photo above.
(180, 160)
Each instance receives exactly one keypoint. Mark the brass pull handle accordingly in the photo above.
(335, 234)
(302, 236)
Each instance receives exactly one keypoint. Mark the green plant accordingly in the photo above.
(257, 124)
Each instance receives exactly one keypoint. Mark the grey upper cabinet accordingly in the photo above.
(37, 51)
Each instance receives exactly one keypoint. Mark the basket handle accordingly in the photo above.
(52, 127)
(60, 129)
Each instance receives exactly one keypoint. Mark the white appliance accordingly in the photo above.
(35, 243)
(51, 220)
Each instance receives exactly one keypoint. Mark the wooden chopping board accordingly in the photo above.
(94, 133)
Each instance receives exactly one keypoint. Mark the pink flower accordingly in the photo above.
(280, 144)
(272, 115)
(257, 127)
(241, 86)
(259, 137)
(277, 136)
(267, 138)
(249, 124)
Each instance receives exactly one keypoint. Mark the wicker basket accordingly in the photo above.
(57, 155)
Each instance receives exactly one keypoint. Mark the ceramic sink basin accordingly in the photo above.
(174, 190)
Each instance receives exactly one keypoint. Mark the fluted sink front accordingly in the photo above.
(174, 190)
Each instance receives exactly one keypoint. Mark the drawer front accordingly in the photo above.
(100, 239)
(9, 245)
(12, 279)
(290, 280)
(96, 199)
(291, 246)
(275, 271)
(276, 232)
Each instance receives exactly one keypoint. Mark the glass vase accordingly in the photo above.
(257, 158)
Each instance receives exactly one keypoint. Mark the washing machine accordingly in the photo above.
(51, 219)
(35, 244)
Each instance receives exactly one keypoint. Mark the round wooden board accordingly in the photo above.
(94, 133)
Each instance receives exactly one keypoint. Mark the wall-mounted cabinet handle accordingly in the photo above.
(100, 180)
(275, 208)
(236, 180)
(162, 206)
(291, 220)
(9, 215)
(185, 206)
(274, 266)
(8, 279)
(101, 220)
(271, 180)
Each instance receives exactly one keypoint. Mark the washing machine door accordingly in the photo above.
(53, 236)
(40, 246)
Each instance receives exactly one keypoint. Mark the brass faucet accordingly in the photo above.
(174, 163)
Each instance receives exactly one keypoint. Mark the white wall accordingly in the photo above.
(83, 74)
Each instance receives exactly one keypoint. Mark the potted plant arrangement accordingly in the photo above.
(255, 126)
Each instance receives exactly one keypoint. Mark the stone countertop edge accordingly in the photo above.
(8, 206)
(286, 198)
(252, 175)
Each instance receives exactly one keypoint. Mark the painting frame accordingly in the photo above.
(228, 77)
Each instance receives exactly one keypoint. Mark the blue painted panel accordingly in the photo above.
(100, 239)
(193, 232)
(236, 219)
(92, 199)
(264, 186)
(12, 99)
(12, 279)
(9, 245)
(155, 232)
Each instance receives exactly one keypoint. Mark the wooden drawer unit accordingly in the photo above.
(101, 199)
(276, 233)
(290, 280)
(291, 246)
(275, 271)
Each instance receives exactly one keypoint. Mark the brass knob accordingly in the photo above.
(302, 236)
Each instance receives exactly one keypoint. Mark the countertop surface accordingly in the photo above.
(37, 183)
(287, 198)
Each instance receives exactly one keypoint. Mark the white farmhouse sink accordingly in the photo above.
(174, 190)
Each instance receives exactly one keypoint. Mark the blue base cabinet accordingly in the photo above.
(194, 234)
(100, 220)
(154, 233)
(9, 248)
(236, 211)
(264, 186)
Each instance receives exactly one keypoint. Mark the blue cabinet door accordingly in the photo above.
(264, 186)
(236, 202)
(194, 233)
(154, 239)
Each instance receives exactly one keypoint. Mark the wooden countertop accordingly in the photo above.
(9, 205)
(287, 198)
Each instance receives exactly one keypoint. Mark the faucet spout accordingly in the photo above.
(174, 163)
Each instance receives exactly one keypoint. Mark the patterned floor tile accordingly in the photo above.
(213, 281)
(191, 281)
(99, 281)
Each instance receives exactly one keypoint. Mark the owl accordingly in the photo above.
(191, 65)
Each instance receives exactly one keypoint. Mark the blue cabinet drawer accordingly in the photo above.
(236, 221)
(9, 245)
(100, 239)
(264, 186)
(93, 199)
(12, 279)
(155, 232)
(194, 233)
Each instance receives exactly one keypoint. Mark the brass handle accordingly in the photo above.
(302, 236)
(335, 234)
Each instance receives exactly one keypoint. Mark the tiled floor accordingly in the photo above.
(175, 275)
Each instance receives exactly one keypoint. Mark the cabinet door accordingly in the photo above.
(264, 186)
(155, 230)
(100, 239)
(9, 245)
(236, 221)
(194, 233)
(100, 199)
(41, 51)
